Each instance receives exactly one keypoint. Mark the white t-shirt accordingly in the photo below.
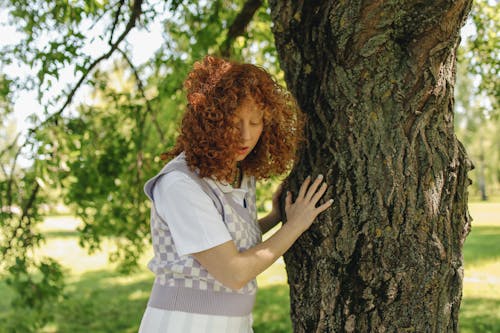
(195, 225)
(193, 220)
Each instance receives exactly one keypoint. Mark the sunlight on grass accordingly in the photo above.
(61, 243)
(485, 213)
(75, 258)
(138, 295)
(276, 274)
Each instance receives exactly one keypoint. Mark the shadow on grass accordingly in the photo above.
(102, 301)
(272, 310)
(479, 315)
(482, 245)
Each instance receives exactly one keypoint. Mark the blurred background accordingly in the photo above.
(91, 95)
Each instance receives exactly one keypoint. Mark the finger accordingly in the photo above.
(303, 188)
(278, 192)
(314, 187)
(319, 194)
(324, 206)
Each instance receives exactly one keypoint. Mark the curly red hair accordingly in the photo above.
(208, 136)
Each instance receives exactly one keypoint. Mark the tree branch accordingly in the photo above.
(140, 86)
(9, 147)
(239, 25)
(115, 23)
(136, 12)
(11, 178)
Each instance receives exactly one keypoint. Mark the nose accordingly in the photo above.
(245, 132)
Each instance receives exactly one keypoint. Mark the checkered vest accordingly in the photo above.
(181, 283)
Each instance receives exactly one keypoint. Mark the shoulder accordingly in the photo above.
(174, 177)
(177, 183)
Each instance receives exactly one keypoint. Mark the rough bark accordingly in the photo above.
(376, 79)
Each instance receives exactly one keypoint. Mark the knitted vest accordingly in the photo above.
(181, 283)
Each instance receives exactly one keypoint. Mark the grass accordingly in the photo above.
(480, 310)
(100, 300)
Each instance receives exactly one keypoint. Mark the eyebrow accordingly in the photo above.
(260, 114)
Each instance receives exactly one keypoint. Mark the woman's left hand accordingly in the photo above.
(274, 217)
(276, 211)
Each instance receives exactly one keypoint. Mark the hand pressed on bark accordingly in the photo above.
(303, 211)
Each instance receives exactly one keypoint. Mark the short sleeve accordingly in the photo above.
(193, 219)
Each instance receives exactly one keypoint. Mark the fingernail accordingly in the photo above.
(331, 200)
(320, 176)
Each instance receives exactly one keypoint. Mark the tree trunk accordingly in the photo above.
(376, 82)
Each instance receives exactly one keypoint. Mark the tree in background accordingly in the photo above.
(100, 137)
(477, 95)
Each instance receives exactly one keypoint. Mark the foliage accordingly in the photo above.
(5, 98)
(37, 294)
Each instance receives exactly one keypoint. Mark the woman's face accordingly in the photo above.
(249, 119)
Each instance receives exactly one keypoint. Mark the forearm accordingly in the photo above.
(235, 269)
(250, 263)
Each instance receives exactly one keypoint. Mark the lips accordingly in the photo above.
(243, 150)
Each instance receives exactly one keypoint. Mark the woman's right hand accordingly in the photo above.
(303, 211)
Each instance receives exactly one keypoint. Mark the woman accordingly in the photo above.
(240, 125)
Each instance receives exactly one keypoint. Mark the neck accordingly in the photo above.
(237, 174)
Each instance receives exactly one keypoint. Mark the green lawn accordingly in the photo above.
(480, 310)
(100, 300)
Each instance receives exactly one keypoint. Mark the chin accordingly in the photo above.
(240, 158)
